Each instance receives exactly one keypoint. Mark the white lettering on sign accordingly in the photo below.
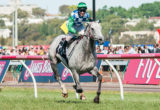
(41, 68)
(47, 67)
(36, 67)
(26, 74)
(157, 75)
(139, 67)
(145, 68)
(65, 73)
(148, 70)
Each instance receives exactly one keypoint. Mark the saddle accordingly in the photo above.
(64, 50)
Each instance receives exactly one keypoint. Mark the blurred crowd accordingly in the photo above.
(24, 50)
(43, 50)
(128, 49)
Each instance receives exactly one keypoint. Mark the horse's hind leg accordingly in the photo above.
(57, 77)
(97, 74)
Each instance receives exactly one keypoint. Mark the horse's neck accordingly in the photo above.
(88, 45)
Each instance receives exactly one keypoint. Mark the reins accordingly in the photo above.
(89, 32)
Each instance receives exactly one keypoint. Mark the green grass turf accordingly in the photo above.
(23, 99)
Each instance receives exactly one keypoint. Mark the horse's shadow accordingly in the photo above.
(70, 101)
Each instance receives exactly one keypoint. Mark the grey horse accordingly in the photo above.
(82, 58)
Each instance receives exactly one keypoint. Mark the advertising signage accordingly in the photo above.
(4, 64)
(42, 71)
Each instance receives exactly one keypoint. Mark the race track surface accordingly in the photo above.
(107, 86)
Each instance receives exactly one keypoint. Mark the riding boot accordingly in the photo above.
(64, 48)
(61, 49)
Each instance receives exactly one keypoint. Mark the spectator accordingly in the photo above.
(41, 51)
(146, 49)
(131, 50)
(120, 51)
(31, 51)
(105, 50)
(110, 51)
(140, 50)
(154, 49)
(98, 50)
(157, 48)
(115, 51)
(13, 52)
(136, 49)
(126, 50)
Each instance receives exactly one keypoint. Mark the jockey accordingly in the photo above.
(75, 25)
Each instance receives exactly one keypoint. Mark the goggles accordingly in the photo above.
(82, 10)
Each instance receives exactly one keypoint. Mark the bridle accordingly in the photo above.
(88, 31)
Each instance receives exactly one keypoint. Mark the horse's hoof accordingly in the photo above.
(65, 95)
(82, 97)
(96, 100)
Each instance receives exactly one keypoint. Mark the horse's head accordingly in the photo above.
(93, 30)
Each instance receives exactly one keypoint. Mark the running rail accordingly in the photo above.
(23, 57)
(105, 57)
(99, 56)
(128, 56)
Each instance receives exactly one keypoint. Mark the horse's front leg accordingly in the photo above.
(99, 76)
(77, 85)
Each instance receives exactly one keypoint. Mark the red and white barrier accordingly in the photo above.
(128, 56)
(23, 57)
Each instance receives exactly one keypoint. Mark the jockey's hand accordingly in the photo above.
(78, 34)
(81, 33)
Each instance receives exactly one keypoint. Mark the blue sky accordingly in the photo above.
(53, 5)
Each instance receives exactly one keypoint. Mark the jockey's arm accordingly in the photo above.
(70, 25)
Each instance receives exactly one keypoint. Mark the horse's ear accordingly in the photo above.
(98, 21)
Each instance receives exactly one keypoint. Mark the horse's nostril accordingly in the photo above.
(100, 40)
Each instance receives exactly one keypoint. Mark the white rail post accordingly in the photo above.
(34, 81)
(119, 79)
